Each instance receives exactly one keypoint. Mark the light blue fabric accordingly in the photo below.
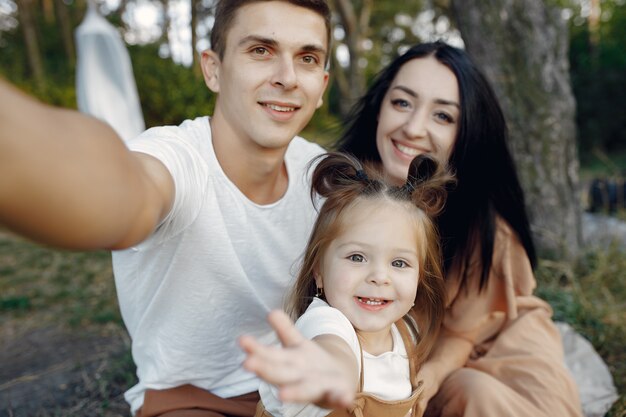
(105, 85)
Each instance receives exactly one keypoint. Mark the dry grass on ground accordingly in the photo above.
(61, 334)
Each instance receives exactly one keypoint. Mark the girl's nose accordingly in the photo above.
(378, 276)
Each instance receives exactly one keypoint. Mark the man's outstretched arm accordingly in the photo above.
(68, 180)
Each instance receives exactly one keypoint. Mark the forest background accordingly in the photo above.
(61, 335)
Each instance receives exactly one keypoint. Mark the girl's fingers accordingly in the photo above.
(287, 332)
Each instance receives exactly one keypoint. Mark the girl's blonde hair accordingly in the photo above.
(343, 181)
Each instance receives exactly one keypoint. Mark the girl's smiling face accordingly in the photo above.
(370, 271)
(419, 114)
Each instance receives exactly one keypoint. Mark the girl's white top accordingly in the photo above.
(385, 375)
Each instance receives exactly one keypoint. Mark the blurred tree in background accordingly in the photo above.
(598, 72)
(37, 54)
(521, 46)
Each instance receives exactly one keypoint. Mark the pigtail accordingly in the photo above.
(427, 184)
(343, 174)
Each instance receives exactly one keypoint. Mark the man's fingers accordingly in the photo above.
(287, 332)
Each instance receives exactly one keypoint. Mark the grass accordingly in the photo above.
(48, 286)
(45, 288)
(592, 298)
(75, 286)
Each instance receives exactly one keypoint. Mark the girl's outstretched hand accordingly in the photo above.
(323, 371)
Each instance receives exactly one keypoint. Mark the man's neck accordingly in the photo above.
(259, 173)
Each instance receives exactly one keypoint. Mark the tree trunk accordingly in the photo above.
(522, 47)
(63, 18)
(351, 80)
(48, 10)
(195, 63)
(27, 22)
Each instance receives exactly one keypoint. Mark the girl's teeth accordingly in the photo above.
(371, 301)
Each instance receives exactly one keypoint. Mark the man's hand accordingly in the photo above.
(323, 371)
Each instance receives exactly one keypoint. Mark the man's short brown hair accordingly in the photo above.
(226, 9)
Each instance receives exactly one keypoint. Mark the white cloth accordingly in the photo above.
(213, 269)
(105, 85)
(386, 375)
(592, 376)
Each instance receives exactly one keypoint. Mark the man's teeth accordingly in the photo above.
(407, 150)
(372, 301)
(280, 108)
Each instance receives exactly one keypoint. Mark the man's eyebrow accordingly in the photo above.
(438, 100)
(312, 48)
(258, 39)
(316, 49)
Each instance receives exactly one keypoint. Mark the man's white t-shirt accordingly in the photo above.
(386, 376)
(213, 269)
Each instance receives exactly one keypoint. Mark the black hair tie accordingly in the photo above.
(361, 175)
(409, 186)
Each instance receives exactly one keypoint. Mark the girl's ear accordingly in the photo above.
(318, 279)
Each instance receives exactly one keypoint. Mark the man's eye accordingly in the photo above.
(309, 59)
(356, 258)
(260, 51)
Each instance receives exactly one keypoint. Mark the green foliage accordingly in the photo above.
(58, 88)
(598, 74)
(169, 93)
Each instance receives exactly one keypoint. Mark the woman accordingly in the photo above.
(499, 352)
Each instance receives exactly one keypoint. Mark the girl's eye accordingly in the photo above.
(356, 258)
(399, 263)
(400, 103)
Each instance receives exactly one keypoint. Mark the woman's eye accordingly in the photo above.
(356, 258)
(444, 117)
(400, 103)
(399, 263)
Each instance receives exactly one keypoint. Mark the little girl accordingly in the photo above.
(356, 296)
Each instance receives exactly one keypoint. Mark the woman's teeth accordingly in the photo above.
(406, 150)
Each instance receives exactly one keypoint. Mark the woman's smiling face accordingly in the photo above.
(419, 114)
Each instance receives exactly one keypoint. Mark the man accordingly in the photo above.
(211, 215)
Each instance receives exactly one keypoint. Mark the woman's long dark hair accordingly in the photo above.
(487, 182)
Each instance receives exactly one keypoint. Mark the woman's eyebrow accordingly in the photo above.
(412, 93)
(406, 90)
